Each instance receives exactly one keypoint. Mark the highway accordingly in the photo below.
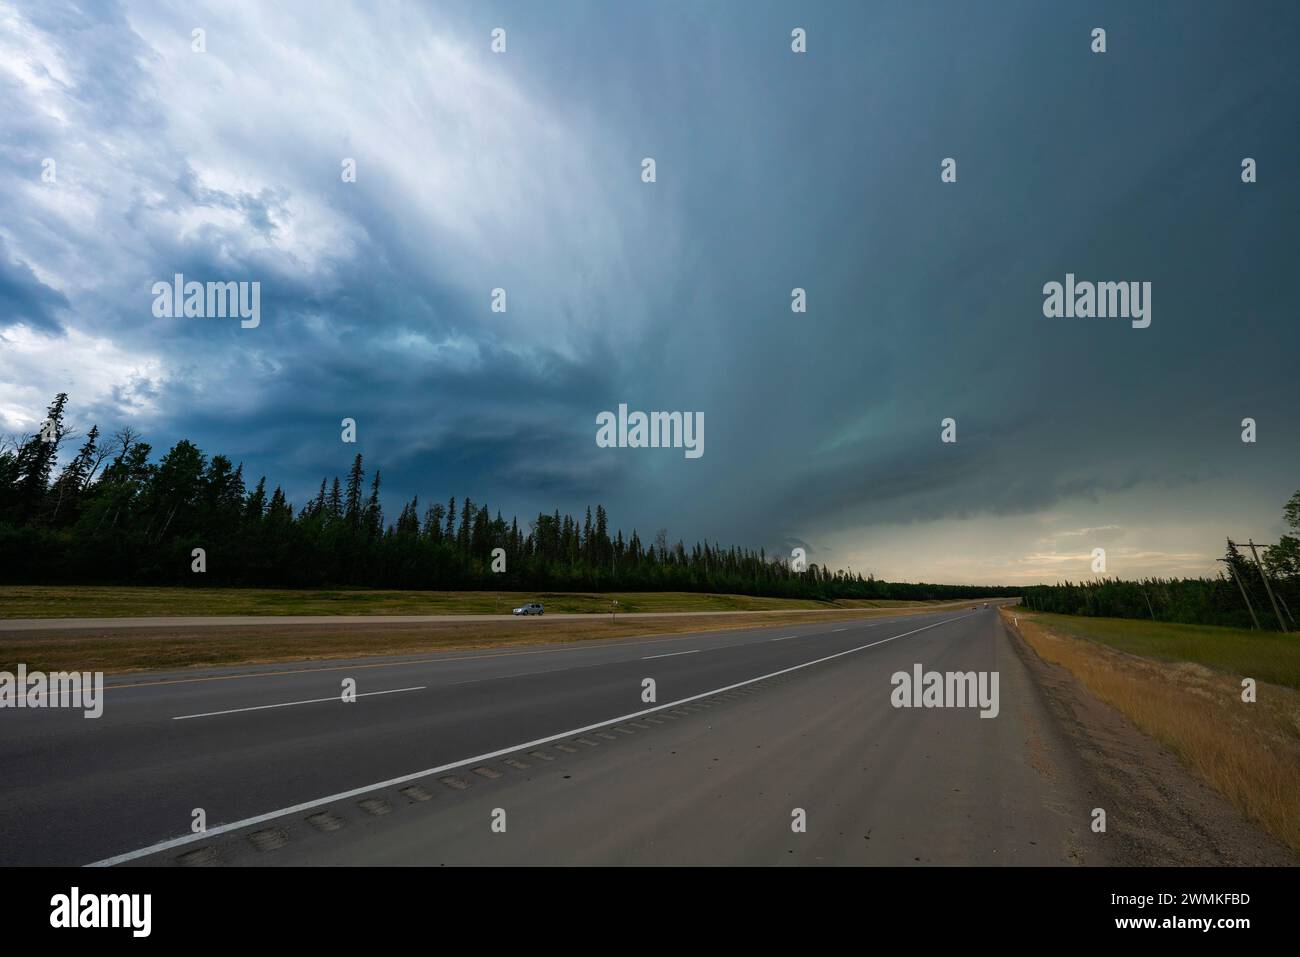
(746, 727)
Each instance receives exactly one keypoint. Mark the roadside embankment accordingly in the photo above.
(1234, 731)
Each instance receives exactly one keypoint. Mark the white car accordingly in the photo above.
(532, 608)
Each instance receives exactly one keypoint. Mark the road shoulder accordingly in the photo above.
(1157, 811)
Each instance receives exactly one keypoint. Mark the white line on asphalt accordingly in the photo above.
(517, 674)
(402, 662)
(673, 654)
(479, 758)
(616, 645)
(289, 704)
(839, 629)
(783, 638)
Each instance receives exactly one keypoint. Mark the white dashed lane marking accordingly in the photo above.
(290, 704)
(319, 802)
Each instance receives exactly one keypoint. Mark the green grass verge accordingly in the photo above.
(1263, 655)
(41, 601)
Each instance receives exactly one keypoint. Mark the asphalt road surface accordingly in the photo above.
(550, 755)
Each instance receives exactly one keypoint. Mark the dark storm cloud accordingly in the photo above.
(25, 299)
(774, 171)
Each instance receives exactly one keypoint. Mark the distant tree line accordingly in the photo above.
(113, 515)
(1217, 600)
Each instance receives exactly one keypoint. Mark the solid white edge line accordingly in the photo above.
(673, 654)
(289, 704)
(478, 758)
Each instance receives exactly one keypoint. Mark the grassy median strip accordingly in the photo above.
(92, 601)
(168, 648)
(1182, 684)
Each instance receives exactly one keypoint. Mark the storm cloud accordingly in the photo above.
(775, 170)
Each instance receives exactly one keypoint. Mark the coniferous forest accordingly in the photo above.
(113, 512)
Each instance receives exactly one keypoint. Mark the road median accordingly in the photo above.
(196, 643)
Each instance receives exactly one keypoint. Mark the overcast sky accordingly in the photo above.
(522, 170)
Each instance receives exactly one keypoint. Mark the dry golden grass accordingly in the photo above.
(1249, 753)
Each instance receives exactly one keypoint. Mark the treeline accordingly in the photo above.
(113, 515)
(1226, 599)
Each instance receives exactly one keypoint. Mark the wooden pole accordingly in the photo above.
(1281, 622)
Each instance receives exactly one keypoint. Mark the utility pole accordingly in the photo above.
(1287, 610)
(1144, 595)
(1244, 597)
(1281, 622)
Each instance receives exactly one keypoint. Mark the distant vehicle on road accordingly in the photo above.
(532, 608)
